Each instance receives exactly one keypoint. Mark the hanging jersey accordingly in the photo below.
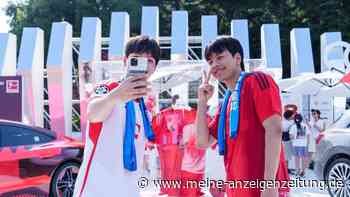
(168, 125)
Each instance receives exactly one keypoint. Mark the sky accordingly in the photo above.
(4, 26)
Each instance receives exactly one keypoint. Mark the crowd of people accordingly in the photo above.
(299, 139)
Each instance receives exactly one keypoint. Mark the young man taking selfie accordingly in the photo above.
(118, 127)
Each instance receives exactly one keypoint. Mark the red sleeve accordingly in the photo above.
(214, 124)
(157, 122)
(266, 96)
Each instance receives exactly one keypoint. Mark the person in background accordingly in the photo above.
(287, 123)
(317, 125)
(300, 135)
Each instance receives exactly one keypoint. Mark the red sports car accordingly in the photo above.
(34, 162)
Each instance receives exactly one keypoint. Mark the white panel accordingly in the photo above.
(335, 57)
(179, 49)
(150, 22)
(90, 51)
(240, 31)
(209, 30)
(271, 46)
(179, 33)
(31, 67)
(59, 71)
(119, 35)
(301, 51)
(90, 39)
(8, 54)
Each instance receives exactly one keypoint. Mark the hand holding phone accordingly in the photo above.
(137, 66)
(132, 88)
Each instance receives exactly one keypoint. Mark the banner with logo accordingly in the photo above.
(10, 98)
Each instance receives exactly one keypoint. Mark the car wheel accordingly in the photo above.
(63, 180)
(339, 170)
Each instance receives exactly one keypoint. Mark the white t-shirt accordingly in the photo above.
(102, 171)
(300, 138)
(314, 127)
(286, 124)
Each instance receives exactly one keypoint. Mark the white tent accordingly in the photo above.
(287, 83)
(168, 74)
(312, 84)
(341, 89)
(174, 73)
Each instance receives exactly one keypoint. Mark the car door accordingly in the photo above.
(9, 162)
(22, 153)
(41, 155)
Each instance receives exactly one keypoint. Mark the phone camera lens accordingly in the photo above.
(133, 62)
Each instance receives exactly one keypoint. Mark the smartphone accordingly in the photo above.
(136, 66)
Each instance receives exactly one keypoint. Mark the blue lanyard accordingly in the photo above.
(129, 150)
(234, 111)
(234, 114)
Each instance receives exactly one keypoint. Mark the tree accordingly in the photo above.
(42, 13)
(319, 15)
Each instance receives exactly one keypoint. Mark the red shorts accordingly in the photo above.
(190, 184)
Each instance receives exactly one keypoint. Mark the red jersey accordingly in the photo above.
(168, 125)
(168, 128)
(245, 155)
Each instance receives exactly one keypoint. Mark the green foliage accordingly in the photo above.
(320, 15)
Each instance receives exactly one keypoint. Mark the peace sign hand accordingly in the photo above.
(205, 90)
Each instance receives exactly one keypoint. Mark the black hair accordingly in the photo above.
(224, 43)
(318, 112)
(288, 114)
(298, 118)
(143, 44)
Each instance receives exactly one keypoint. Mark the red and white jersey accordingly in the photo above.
(168, 124)
(102, 172)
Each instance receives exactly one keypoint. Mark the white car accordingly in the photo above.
(342, 122)
(332, 158)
